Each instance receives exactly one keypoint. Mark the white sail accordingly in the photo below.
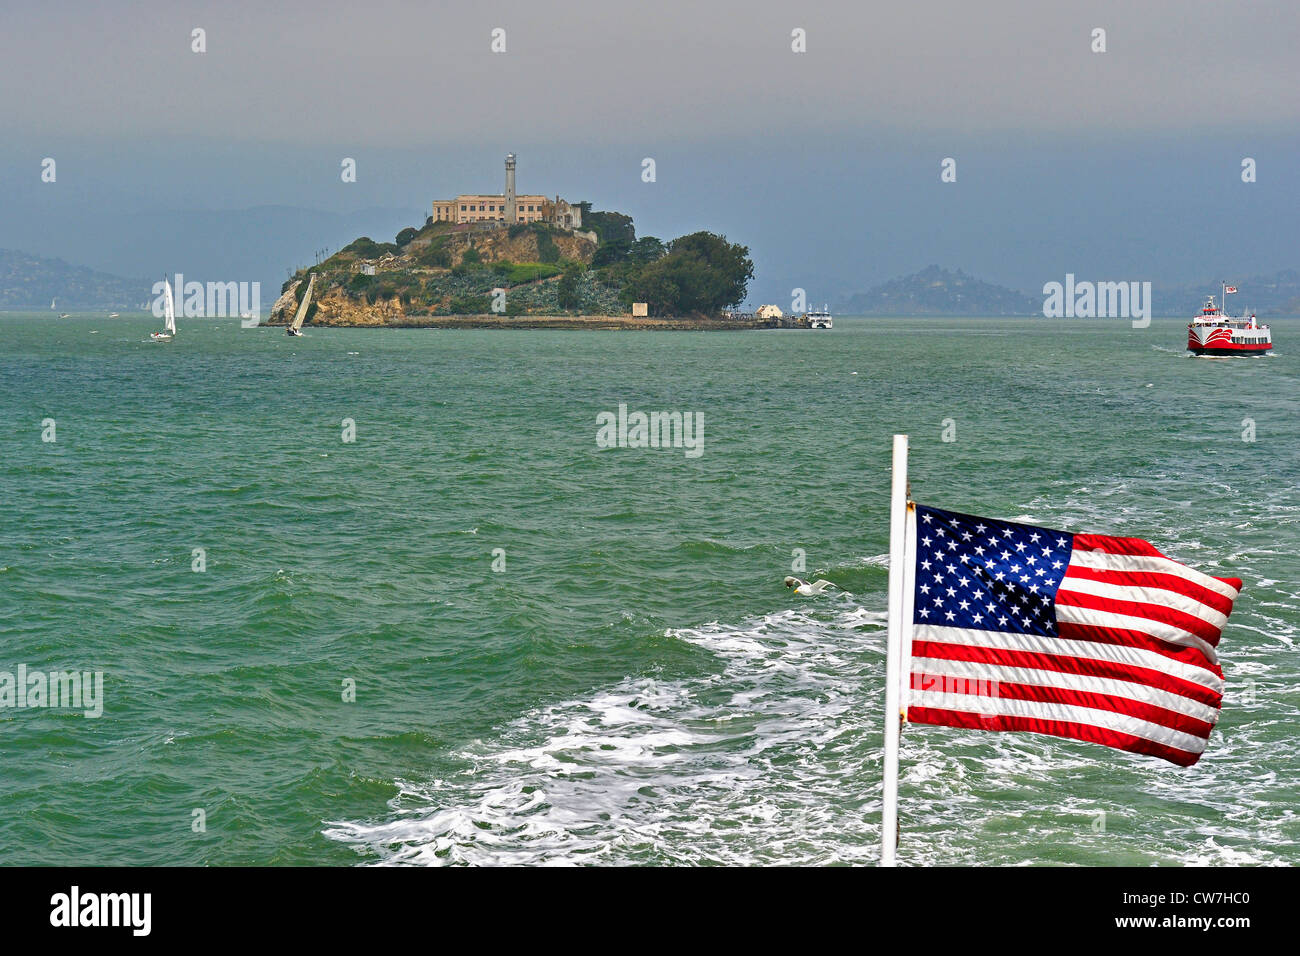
(52, 301)
(169, 308)
(306, 301)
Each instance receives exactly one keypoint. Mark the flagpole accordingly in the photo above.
(897, 533)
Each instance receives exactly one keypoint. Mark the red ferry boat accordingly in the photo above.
(1214, 332)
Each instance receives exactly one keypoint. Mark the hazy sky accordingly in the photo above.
(826, 163)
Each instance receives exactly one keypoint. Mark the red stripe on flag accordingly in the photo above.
(1088, 667)
(1152, 612)
(1152, 579)
(1112, 545)
(1056, 728)
(1002, 690)
(1120, 637)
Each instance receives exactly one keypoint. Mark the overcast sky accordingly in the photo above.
(826, 162)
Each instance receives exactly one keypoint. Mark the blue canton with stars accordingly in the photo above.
(986, 574)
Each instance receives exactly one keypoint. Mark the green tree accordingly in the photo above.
(728, 263)
(701, 273)
(610, 253)
(547, 250)
(367, 248)
(568, 293)
(405, 236)
(646, 249)
(610, 227)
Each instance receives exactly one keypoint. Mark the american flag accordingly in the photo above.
(1085, 636)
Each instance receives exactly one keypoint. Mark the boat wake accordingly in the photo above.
(774, 757)
(747, 765)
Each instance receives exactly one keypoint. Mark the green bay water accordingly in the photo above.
(636, 686)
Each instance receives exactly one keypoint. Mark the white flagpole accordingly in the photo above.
(893, 664)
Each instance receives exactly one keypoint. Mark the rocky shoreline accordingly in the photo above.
(616, 322)
(339, 311)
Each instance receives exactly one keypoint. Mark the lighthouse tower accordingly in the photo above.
(510, 215)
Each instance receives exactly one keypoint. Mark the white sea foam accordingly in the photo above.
(775, 758)
(750, 764)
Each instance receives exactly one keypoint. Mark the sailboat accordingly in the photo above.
(169, 315)
(296, 328)
(52, 301)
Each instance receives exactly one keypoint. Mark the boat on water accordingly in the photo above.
(1214, 332)
(296, 328)
(818, 320)
(169, 315)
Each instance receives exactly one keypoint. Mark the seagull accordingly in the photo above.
(803, 587)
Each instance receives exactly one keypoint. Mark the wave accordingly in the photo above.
(774, 758)
(745, 765)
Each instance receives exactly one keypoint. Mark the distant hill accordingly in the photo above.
(936, 291)
(29, 282)
(1270, 295)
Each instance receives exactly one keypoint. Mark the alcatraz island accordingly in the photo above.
(510, 260)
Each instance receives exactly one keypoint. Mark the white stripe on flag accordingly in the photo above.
(1038, 710)
(1085, 683)
(1145, 595)
(1105, 561)
(1143, 625)
(1063, 647)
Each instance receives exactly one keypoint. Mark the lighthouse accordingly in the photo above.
(510, 215)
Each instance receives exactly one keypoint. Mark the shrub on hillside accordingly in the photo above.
(547, 250)
(435, 255)
(367, 248)
(521, 272)
(567, 292)
(468, 305)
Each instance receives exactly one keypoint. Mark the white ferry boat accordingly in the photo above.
(1214, 332)
(818, 320)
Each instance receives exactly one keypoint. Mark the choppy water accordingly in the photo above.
(636, 685)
